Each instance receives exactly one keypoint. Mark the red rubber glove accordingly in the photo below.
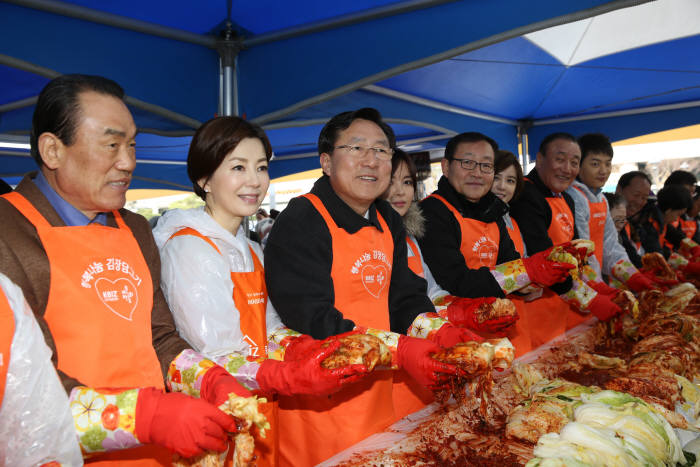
(662, 283)
(603, 288)
(414, 356)
(307, 376)
(545, 272)
(218, 383)
(638, 282)
(603, 308)
(300, 347)
(462, 313)
(692, 268)
(450, 335)
(181, 423)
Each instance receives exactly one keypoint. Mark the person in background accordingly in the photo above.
(336, 261)
(466, 242)
(90, 272)
(544, 212)
(618, 213)
(36, 424)
(687, 222)
(594, 222)
(635, 188)
(507, 185)
(213, 276)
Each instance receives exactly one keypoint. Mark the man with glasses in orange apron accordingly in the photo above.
(545, 214)
(90, 271)
(336, 261)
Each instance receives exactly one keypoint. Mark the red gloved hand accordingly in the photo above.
(307, 376)
(603, 308)
(462, 313)
(603, 288)
(662, 283)
(692, 268)
(450, 335)
(218, 383)
(181, 423)
(414, 356)
(638, 282)
(545, 272)
(300, 347)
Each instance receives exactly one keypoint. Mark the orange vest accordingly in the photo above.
(598, 212)
(315, 428)
(7, 332)
(548, 315)
(414, 262)
(479, 244)
(628, 231)
(99, 312)
(250, 298)
(519, 334)
(689, 227)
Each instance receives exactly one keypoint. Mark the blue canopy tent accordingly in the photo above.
(432, 67)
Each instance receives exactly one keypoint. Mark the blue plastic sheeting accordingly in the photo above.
(468, 58)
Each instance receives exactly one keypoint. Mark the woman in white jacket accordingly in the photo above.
(213, 276)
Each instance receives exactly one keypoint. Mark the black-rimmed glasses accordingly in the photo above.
(468, 164)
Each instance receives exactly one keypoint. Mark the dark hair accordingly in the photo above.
(615, 199)
(627, 178)
(468, 137)
(595, 143)
(505, 159)
(681, 177)
(213, 141)
(555, 136)
(274, 213)
(58, 110)
(674, 197)
(402, 156)
(330, 132)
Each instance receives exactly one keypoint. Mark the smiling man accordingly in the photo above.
(90, 271)
(545, 214)
(336, 261)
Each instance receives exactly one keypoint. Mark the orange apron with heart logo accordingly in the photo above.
(315, 428)
(519, 334)
(99, 312)
(479, 244)
(414, 262)
(250, 298)
(7, 333)
(689, 227)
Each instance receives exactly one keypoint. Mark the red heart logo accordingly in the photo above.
(120, 296)
(374, 278)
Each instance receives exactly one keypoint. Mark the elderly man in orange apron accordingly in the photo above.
(90, 271)
(545, 214)
(336, 261)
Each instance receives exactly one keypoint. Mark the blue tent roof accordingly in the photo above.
(432, 67)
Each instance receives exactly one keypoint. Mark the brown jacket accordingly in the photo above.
(24, 261)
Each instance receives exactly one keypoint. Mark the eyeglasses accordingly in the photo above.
(468, 164)
(619, 220)
(383, 154)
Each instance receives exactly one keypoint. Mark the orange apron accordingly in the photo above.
(250, 298)
(409, 395)
(99, 312)
(689, 227)
(480, 240)
(519, 334)
(548, 315)
(315, 428)
(638, 245)
(414, 262)
(7, 332)
(596, 225)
